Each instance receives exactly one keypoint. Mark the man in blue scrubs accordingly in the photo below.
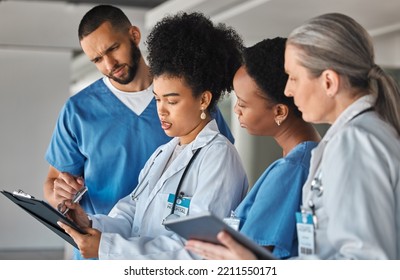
(106, 132)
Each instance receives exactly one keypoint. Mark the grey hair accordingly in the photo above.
(337, 42)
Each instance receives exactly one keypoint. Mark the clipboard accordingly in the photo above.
(44, 213)
(205, 227)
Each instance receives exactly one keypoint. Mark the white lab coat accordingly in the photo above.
(216, 181)
(358, 212)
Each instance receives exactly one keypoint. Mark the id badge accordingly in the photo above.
(232, 221)
(305, 233)
(181, 207)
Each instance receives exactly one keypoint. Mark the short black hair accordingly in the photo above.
(190, 46)
(265, 64)
(99, 15)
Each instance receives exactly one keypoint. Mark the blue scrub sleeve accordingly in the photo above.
(271, 217)
(63, 152)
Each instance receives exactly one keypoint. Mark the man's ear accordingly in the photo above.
(135, 34)
(331, 82)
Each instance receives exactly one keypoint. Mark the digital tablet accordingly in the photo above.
(45, 214)
(206, 226)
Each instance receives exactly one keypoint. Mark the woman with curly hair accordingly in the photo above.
(267, 214)
(193, 63)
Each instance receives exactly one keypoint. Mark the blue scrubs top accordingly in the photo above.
(267, 213)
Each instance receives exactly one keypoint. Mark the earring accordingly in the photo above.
(278, 122)
(203, 115)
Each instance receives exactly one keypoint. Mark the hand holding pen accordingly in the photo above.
(65, 186)
(77, 197)
(72, 210)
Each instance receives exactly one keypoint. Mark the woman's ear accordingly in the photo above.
(205, 100)
(135, 34)
(331, 82)
(281, 112)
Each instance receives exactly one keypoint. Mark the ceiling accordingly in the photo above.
(52, 25)
(127, 3)
(258, 19)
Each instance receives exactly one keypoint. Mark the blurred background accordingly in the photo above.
(41, 65)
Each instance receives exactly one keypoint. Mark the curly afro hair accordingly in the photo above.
(265, 64)
(191, 47)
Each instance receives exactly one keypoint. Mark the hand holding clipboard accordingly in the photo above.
(44, 213)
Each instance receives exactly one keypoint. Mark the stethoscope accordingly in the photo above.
(317, 189)
(316, 184)
(178, 194)
(141, 187)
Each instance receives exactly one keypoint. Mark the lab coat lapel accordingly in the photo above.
(177, 166)
(159, 180)
(159, 166)
(209, 132)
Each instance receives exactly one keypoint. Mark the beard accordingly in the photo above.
(132, 67)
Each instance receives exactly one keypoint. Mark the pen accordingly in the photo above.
(76, 198)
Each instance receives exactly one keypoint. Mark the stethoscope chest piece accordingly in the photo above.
(316, 185)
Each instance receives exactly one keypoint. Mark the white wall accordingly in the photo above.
(387, 50)
(36, 43)
(34, 85)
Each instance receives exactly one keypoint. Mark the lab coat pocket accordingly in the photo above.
(155, 214)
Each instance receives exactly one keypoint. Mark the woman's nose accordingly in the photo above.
(287, 90)
(161, 110)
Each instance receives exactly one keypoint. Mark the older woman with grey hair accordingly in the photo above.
(353, 190)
